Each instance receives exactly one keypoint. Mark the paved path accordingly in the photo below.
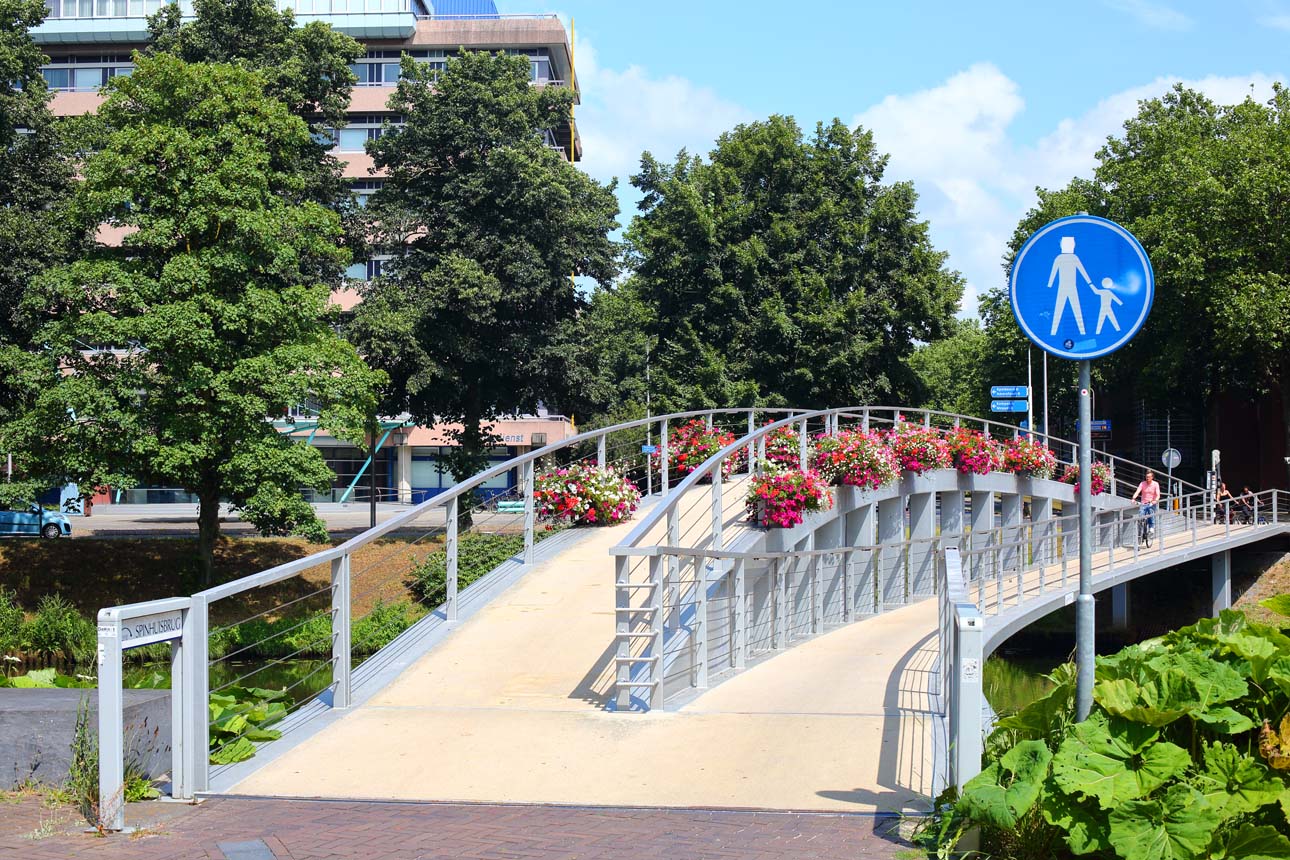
(510, 709)
(259, 829)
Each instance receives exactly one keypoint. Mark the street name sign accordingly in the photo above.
(148, 629)
(1009, 391)
(1081, 287)
(1009, 405)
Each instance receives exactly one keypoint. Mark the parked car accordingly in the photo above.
(29, 518)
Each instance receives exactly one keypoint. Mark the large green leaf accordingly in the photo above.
(1158, 687)
(1084, 826)
(1236, 783)
(1254, 843)
(238, 750)
(1226, 720)
(1045, 718)
(1114, 760)
(1006, 790)
(1178, 825)
(1279, 603)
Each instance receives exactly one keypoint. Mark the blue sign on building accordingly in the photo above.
(1081, 287)
(1009, 405)
(1008, 391)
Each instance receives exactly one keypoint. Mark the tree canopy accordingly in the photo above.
(485, 225)
(783, 270)
(211, 315)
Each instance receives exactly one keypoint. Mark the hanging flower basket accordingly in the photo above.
(583, 494)
(856, 458)
(1101, 477)
(1026, 456)
(780, 499)
(690, 444)
(972, 452)
(783, 447)
(918, 449)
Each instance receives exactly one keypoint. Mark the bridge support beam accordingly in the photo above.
(1010, 517)
(1120, 606)
(981, 566)
(891, 567)
(952, 526)
(1221, 580)
(859, 531)
(1041, 515)
(922, 558)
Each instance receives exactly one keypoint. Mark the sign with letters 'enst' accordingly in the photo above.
(1081, 287)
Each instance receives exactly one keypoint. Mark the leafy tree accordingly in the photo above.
(486, 225)
(952, 370)
(36, 175)
(216, 303)
(783, 270)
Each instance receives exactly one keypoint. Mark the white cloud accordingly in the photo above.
(976, 181)
(1155, 15)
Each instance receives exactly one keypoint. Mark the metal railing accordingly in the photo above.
(650, 618)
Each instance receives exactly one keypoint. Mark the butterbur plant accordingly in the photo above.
(972, 452)
(1026, 456)
(918, 449)
(857, 459)
(1101, 477)
(583, 494)
(781, 498)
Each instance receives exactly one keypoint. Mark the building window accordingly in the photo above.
(366, 270)
(363, 189)
(84, 73)
(360, 129)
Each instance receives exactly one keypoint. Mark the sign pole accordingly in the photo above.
(1084, 651)
(1046, 430)
(1030, 391)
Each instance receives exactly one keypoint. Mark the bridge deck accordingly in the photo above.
(511, 708)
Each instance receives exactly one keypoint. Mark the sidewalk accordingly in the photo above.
(230, 828)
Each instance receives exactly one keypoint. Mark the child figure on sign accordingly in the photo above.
(1106, 313)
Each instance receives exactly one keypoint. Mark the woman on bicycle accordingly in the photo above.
(1148, 493)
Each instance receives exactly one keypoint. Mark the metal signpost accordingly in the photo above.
(1170, 458)
(120, 629)
(1081, 288)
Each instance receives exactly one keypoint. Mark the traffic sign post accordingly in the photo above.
(1081, 288)
(1171, 458)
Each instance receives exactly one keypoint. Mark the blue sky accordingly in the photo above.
(977, 103)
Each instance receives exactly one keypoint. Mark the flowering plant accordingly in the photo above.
(691, 443)
(1101, 476)
(783, 446)
(582, 493)
(780, 498)
(918, 449)
(857, 459)
(972, 452)
(1026, 456)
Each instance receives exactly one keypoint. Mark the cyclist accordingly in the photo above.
(1148, 493)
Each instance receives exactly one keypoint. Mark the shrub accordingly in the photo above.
(477, 555)
(972, 452)
(277, 513)
(693, 442)
(1026, 456)
(586, 494)
(58, 628)
(918, 449)
(1101, 477)
(382, 625)
(780, 498)
(856, 458)
(1186, 754)
(11, 618)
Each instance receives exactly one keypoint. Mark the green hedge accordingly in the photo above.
(477, 555)
(56, 629)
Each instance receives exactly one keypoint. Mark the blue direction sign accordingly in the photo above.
(1008, 391)
(1009, 406)
(1081, 287)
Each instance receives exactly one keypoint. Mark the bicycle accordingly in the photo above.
(1147, 524)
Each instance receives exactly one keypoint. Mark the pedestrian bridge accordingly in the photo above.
(687, 658)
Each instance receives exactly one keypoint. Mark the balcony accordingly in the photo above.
(126, 21)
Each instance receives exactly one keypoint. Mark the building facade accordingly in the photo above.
(89, 42)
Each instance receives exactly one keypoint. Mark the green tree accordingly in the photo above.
(36, 175)
(215, 306)
(783, 270)
(952, 370)
(486, 225)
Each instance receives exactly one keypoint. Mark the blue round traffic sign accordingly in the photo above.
(1081, 287)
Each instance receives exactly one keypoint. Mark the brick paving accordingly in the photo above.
(340, 830)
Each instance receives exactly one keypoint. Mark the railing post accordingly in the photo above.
(847, 585)
(752, 446)
(623, 624)
(782, 608)
(340, 632)
(699, 631)
(197, 678)
(450, 550)
(657, 615)
(530, 508)
(111, 750)
(600, 450)
(664, 456)
(1227, 518)
(817, 593)
(718, 510)
(707, 420)
(864, 420)
(801, 446)
(966, 729)
(739, 649)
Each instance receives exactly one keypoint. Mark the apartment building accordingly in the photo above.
(89, 42)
